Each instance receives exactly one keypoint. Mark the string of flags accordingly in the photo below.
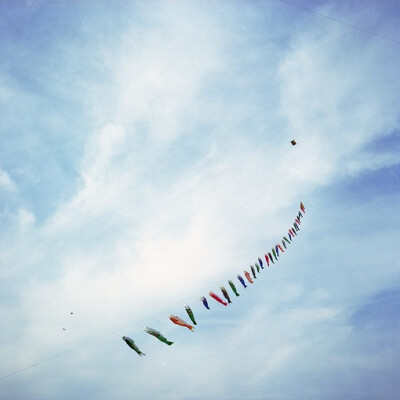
(270, 258)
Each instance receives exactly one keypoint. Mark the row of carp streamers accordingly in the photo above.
(270, 257)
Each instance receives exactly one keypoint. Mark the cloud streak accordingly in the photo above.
(183, 176)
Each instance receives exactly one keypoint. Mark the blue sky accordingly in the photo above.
(145, 159)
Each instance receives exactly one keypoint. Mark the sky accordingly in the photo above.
(145, 159)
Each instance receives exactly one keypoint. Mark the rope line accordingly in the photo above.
(112, 331)
(339, 21)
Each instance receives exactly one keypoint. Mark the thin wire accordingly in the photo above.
(109, 333)
(51, 357)
(340, 22)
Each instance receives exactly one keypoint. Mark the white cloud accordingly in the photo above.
(332, 99)
(157, 76)
(145, 232)
(6, 182)
(26, 218)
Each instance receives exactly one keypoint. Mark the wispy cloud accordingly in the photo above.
(178, 177)
(5, 181)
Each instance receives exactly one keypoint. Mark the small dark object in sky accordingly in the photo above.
(64, 329)
(293, 142)
(71, 313)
